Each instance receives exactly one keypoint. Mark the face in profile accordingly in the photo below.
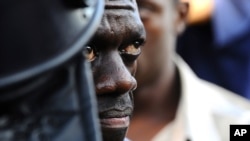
(113, 52)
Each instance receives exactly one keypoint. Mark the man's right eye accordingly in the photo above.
(90, 53)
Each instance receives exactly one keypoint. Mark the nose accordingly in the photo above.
(113, 76)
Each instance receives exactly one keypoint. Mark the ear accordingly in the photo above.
(182, 13)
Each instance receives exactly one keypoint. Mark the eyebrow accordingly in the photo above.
(133, 34)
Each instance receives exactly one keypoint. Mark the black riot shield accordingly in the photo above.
(46, 88)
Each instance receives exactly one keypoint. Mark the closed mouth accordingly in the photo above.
(115, 118)
(119, 4)
(119, 7)
(121, 122)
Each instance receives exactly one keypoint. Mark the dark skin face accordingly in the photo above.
(113, 52)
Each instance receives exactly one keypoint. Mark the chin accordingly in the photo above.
(114, 116)
(114, 134)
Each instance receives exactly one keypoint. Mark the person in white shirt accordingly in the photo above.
(171, 102)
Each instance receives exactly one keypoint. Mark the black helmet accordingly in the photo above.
(37, 36)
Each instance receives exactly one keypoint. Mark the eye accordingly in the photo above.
(132, 49)
(90, 53)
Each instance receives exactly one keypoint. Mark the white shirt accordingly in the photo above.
(205, 110)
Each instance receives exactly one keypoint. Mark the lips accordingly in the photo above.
(115, 122)
(119, 4)
(115, 118)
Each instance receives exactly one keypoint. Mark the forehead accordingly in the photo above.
(121, 22)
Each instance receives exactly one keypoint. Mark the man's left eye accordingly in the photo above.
(132, 49)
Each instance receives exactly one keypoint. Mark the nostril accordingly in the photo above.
(127, 85)
(120, 86)
(105, 87)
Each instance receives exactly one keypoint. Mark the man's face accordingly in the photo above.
(113, 52)
(161, 19)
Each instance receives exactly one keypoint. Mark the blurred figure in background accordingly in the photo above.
(216, 43)
(171, 102)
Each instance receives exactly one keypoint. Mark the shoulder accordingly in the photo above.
(217, 97)
(211, 105)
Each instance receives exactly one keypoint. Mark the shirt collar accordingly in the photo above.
(194, 111)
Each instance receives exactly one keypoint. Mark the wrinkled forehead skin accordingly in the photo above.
(120, 20)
